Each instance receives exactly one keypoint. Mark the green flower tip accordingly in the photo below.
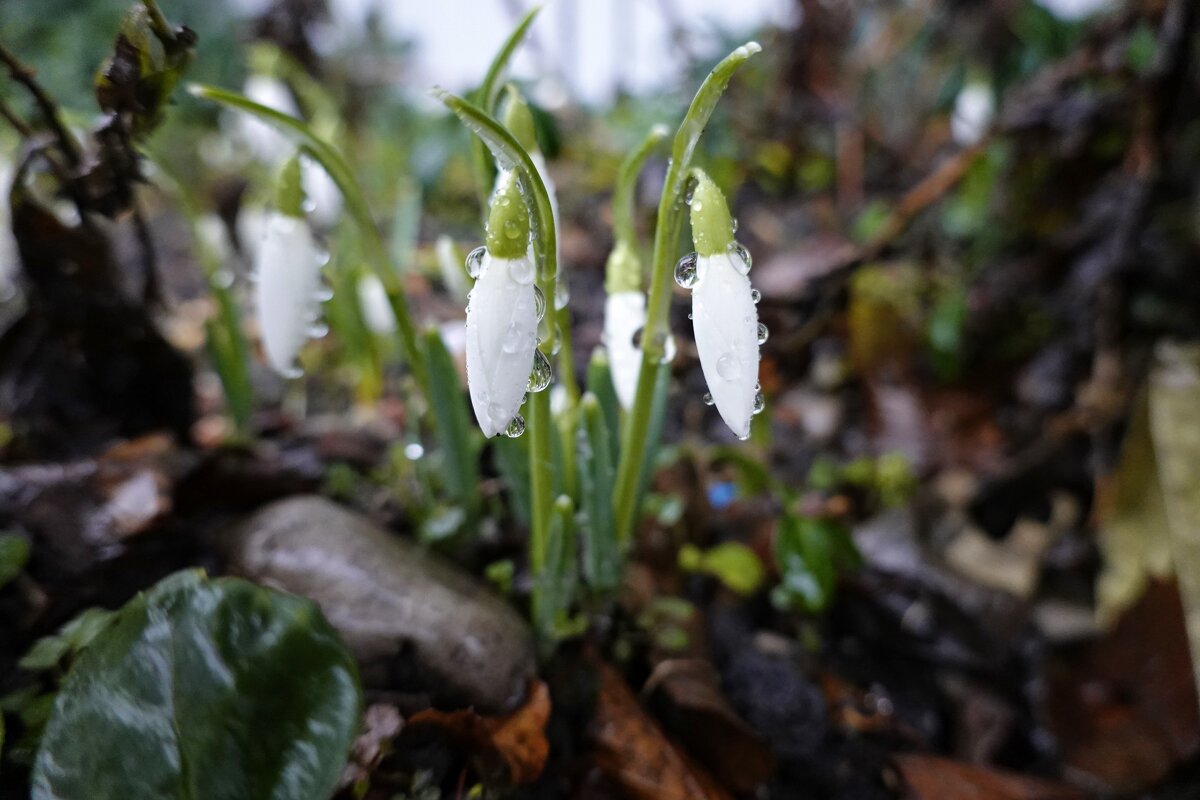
(519, 119)
(623, 272)
(508, 220)
(712, 227)
(289, 190)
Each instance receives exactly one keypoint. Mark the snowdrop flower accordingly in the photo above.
(450, 266)
(373, 300)
(288, 266)
(324, 196)
(624, 316)
(974, 109)
(502, 317)
(724, 313)
(1071, 10)
(262, 140)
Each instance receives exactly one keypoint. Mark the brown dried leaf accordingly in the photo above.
(518, 740)
(934, 778)
(636, 754)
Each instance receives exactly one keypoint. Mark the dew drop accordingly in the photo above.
(513, 338)
(562, 294)
(539, 302)
(223, 278)
(541, 374)
(690, 191)
(413, 451)
(668, 350)
(686, 271)
(763, 333)
(729, 367)
(318, 330)
(521, 271)
(515, 428)
(323, 257)
(743, 261)
(755, 296)
(760, 403)
(708, 399)
(744, 437)
(556, 347)
(511, 229)
(323, 295)
(733, 224)
(690, 316)
(475, 261)
(697, 205)
(294, 371)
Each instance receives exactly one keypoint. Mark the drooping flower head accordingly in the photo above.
(502, 317)
(288, 266)
(724, 311)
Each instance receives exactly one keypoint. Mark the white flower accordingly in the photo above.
(624, 316)
(289, 277)
(501, 339)
(373, 300)
(10, 257)
(324, 197)
(264, 141)
(725, 320)
(1071, 10)
(974, 109)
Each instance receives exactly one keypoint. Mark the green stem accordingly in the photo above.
(541, 479)
(636, 451)
(355, 202)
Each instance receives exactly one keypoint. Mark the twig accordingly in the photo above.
(13, 119)
(25, 76)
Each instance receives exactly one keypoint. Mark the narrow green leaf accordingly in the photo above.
(601, 554)
(600, 384)
(204, 689)
(460, 448)
(658, 417)
(512, 462)
(487, 95)
(554, 589)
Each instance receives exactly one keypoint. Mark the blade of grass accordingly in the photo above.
(452, 425)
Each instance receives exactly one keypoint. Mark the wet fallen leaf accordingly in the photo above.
(933, 778)
(635, 753)
(698, 713)
(518, 740)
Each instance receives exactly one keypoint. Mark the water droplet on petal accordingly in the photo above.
(729, 367)
(475, 261)
(318, 330)
(542, 373)
(294, 371)
(743, 437)
(697, 205)
(556, 347)
(668, 349)
(521, 271)
(562, 294)
(323, 294)
(511, 229)
(734, 224)
(708, 399)
(763, 333)
(690, 316)
(515, 428)
(760, 403)
(686, 271)
(690, 192)
(539, 302)
(755, 296)
(742, 260)
(512, 338)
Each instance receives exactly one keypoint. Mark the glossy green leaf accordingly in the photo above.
(71, 639)
(804, 554)
(204, 689)
(14, 555)
(601, 555)
(452, 423)
(732, 563)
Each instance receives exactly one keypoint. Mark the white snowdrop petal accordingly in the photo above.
(9, 255)
(725, 321)
(973, 111)
(624, 315)
(324, 196)
(373, 300)
(501, 337)
(289, 275)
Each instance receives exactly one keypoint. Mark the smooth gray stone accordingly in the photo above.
(414, 621)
